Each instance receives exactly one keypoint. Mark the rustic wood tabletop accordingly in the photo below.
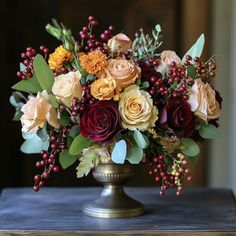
(57, 211)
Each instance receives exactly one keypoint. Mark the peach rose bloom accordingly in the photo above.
(119, 43)
(125, 72)
(36, 112)
(136, 109)
(167, 57)
(104, 89)
(67, 86)
(202, 99)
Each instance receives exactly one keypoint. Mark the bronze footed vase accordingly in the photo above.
(113, 201)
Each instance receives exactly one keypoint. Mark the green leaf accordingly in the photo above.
(16, 100)
(87, 163)
(144, 85)
(22, 67)
(64, 118)
(196, 49)
(69, 141)
(66, 160)
(79, 144)
(30, 85)
(42, 133)
(134, 154)
(18, 114)
(43, 73)
(140, 139)
(208, 131)
(53, 100)
(34, 145)
(74, 131)
(189, 147)
(90, 78)
(191, 71)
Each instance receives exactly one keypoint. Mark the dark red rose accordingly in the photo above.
(148, 71)
(101, 121)
(177, 118)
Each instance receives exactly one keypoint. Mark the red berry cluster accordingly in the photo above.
(86, 100)
(28, 57)
(169, 175)
(89, 41)
(49, 158)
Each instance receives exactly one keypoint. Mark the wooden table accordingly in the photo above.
(57, 211)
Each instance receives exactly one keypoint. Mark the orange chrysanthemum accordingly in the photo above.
(94, 62)
(57, 58)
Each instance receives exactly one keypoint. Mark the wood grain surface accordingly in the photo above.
(57, 211)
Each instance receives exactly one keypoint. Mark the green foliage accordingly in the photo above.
(134, 154)
(64, 118)
(145, 46)
(144, 85)
(78, 144)
(66, 160)
(74, 131)
(30, 85)
(17, 100)
(87, 163)
(53, 100)
(140, 139)
(191, 71)
(118, 154)
(208, 131)
(196, 49)
(43, 73)
(42, 133)
(34, 144)
(189, 147)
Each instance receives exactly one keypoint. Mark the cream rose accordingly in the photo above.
(119, 43)
(136, 109)
(202, 99)
(67, 86)
(36, 112)
(167, 57)
(125, 72)
(104, 89)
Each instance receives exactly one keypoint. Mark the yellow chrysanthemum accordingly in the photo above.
(57, 58)
(94, 62)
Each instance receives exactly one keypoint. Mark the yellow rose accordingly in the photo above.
(119, 43)
(67, 86)
(36, 112)
(167, 57)
(104, 89)
(136, 109)
(125, 72)
(202, 99)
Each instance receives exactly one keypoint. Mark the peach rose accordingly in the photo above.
(202, 99)
(125, 72)
(36, 112)
(67, 86)
(136, 109)
(167, 57)
(119, 43)
(104, 89)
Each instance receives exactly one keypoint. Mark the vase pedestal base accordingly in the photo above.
(113, 203)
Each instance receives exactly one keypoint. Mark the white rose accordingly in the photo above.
(67, 86)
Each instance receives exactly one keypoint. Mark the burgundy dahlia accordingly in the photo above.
(101, 121)
(177, 118)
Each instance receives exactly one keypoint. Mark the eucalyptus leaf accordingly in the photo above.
(119, 152)
(18, 114)
(140, 140)
(208, 131)
(30, 85)
(53, 100)
(43, 73)
(66, 160)
(42, 133)
(34, 145)
(189, 147)
(134, 154)
(64, 118)
(22, 67)
(196, 49)
(158, 28)
(78, 144)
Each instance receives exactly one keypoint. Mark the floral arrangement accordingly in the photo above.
(108, 99)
